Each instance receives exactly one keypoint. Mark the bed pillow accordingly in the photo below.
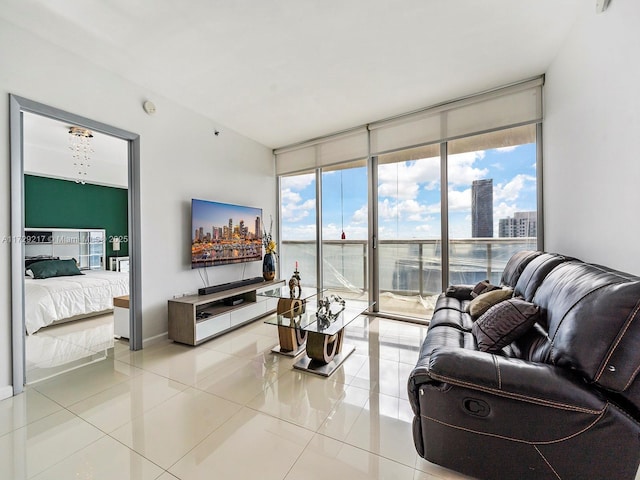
(503, 323)
(28, 261)
(485, 301)
(54, 268)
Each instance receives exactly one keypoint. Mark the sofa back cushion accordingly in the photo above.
(516, 265)
(534, 274)
(593, 322)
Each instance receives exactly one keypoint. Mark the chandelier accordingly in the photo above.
(80, 146)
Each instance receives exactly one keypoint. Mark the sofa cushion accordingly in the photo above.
(593, 321)
(451, 312)
(503, 323)
(485, 301)
(534, 274)
(516, 265)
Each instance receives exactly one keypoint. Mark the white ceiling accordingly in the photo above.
(47, 153)
(283, 71)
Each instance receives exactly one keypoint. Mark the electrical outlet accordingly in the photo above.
(178, 295)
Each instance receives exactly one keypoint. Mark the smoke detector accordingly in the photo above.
(149, 107)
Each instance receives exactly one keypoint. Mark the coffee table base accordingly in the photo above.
(324, 369)
(289, 353)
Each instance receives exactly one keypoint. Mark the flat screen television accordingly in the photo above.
(223, 234)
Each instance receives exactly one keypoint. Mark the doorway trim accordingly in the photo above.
(17, 106)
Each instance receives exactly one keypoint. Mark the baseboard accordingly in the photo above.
(147, 342)
(6, 392)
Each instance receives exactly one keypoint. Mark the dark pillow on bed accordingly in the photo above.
(31, 260)
(54, 268)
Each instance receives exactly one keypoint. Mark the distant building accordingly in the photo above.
(523, 224)
(482, 208)
(258, 228)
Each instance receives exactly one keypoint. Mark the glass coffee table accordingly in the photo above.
(292, 339)
(325, 349)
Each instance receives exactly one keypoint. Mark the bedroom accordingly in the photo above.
(75, 197)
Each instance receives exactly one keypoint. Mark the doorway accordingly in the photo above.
(18, 107)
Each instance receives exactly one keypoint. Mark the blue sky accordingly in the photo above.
(409, 196)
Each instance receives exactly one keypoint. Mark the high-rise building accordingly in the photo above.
(230, 237)
(523, 224)
(482, 208)
(258, 228)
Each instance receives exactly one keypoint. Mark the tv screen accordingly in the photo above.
(223, 234)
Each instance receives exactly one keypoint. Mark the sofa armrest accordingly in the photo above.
(517, 379)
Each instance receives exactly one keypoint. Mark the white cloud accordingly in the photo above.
(461, 169)
(506, 149)
(459, 200)
(297, 182)
(293, 208)
(288, 196)
(361, 215)
(510, 191)
(504, 210)
(402, 180)
(299, 232)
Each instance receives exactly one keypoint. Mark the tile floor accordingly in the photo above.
(227, 409)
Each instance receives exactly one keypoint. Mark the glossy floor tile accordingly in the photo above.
(227, 409)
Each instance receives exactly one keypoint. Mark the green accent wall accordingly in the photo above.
(54, 203)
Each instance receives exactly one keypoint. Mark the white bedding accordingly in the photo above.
(51, 299)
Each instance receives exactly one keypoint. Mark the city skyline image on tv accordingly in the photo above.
(223, 233)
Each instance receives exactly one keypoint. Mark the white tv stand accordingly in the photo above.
(198, 318)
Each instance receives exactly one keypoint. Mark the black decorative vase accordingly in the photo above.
(269, 266)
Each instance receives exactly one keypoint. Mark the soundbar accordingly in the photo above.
(228, 286)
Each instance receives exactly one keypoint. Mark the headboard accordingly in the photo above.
(86, 245)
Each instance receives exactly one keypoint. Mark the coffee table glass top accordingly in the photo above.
(284, 292)
(308, 320)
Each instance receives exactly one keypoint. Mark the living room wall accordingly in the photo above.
(181, 159)
(592, 120)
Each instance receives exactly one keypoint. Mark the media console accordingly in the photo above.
(198, 318)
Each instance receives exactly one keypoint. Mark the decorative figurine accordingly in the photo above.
(294, 282)
(324, 314)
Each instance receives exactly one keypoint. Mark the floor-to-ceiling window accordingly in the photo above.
(345, 229)
(298, 234)
(492, 202)
(443, 196)
(410, 262)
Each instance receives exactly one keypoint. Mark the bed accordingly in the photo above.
(76, 285)
(53, 300)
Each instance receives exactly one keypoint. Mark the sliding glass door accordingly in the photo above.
(488, 212)
(409, 232)
(345, 229)
(298, 245)
(397, 210)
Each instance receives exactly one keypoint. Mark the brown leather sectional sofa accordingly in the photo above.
(562, 401)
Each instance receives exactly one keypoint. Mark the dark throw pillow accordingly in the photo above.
(485, 301)
(504, 323)
(483, 287)
(54, 268)
(461, 292)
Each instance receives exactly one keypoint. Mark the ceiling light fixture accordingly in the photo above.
(80, 146)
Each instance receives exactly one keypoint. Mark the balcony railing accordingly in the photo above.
(407, 267)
